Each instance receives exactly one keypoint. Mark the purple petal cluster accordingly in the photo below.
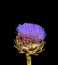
(32, 31)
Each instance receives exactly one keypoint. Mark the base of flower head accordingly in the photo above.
(27, 47)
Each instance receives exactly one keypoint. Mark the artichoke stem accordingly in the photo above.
(28, 57)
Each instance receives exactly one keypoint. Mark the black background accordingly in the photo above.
(10, 56)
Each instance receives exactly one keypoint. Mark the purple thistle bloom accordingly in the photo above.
(32, 31)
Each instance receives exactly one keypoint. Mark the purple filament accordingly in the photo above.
(33, 32)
